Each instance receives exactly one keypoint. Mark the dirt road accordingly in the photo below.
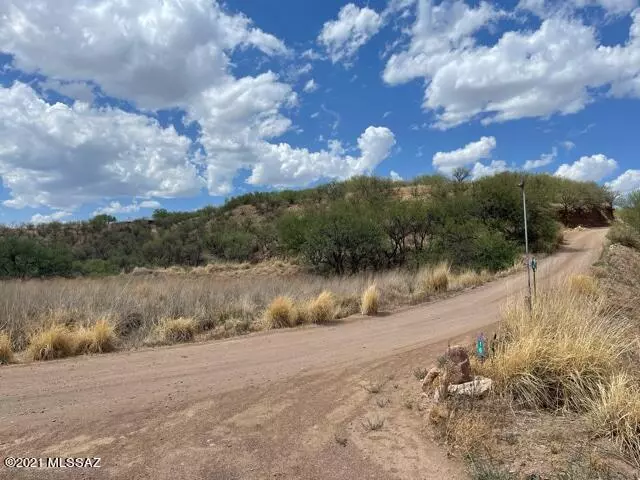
(263, 406)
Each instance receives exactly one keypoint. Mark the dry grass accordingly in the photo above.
(370, 303)
(557, 356)
(6, 350)
(135, 304)
(435, 279)
(281, 313)
(467, 425)
(420, 373)
(468, 278)
(577, 351)
(56, 341)
(469, 431)
(322, 309)
(615, 413)
(98, 338)
(373, 423)
(374, 386)
(267, 268)
(175, 330)
(584, 285)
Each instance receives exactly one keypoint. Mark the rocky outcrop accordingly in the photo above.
(454, 369)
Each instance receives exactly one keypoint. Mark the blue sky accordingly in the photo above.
(123, 107)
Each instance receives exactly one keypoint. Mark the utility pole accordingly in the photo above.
(526, 240)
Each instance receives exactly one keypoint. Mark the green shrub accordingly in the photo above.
(494, 252)
(624, 235)
(27, 257)
(630, 211)
(95, 267)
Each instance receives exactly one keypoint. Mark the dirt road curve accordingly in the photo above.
(262, 406)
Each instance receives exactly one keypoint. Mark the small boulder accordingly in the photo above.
(457, 359)
(476, 388)
(454, 369)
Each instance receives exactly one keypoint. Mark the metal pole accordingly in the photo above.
(526, 240)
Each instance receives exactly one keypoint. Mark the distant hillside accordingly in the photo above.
(362, 223)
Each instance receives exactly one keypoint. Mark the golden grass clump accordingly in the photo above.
(468, 278)
(83, 339)
(370, 302)
(435, 279)
(584, 285)
(281, 313)
(321, 309)
(469, 431)
(98, 338)
(6, 351)
(615, 413)
(557, 356)
(55, 341)
(176, 330)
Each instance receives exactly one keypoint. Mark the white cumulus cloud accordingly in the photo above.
(554, 69)
(611, 6)
(284, 165)
(593, 168)
(544, 160)
(628, 182)
(75, 90)
(116, 207)
(53, 217)
(310, 86)
(546, 8)
(237, 119)
(480, 170)
(447, 162)
(60, 156)
(157, 54)
(395, 176)
(343, 37)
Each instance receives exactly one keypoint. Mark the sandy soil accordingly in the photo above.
(263, 406)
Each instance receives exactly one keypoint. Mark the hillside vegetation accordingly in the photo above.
(627, 230)
(365, 223)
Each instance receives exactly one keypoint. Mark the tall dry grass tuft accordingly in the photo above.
(6, 350)
(56, 341)
(370, 302)
(468, 278)
(322, 309)
(584, 285)
(615, 413)
(136, 303)
(557, 356)
(435, 279)
(281, 313)
(98, 338)
(176, 330)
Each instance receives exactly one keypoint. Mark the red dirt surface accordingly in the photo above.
(263, 406)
